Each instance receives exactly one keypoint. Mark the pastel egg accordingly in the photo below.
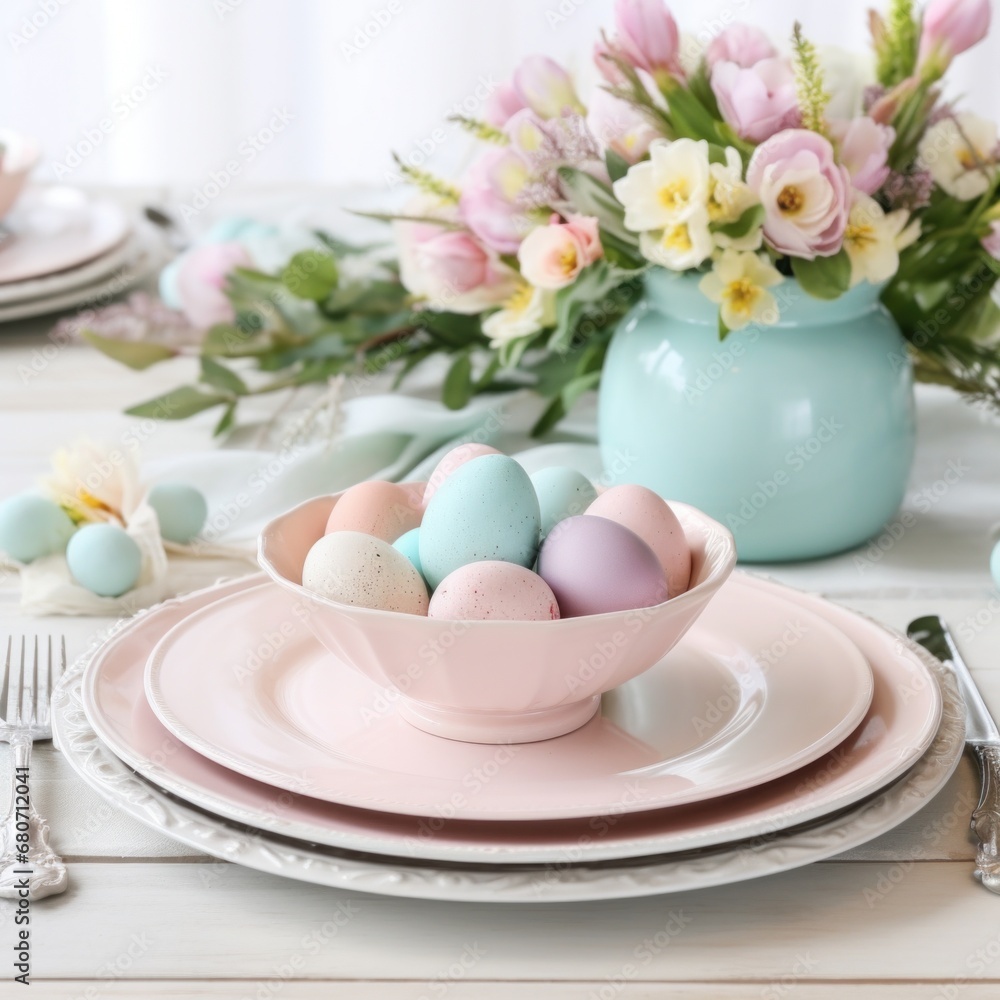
(180, 509)
(32, 526)
(594, 566)
(562, 492)
(104, 559)
(383, 510)
(494, 591)
(365, 571)
(485, 510)
(409, 545)
(647, 514)
(453, 460)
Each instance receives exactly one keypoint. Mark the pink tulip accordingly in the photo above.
(488, 204)
(991, 241)
(759, 101)
(551, 257)
(502, 104)
(201, 282)
(619, 126)
(545, 87)
(742, 44)
(864, 150)
(804, 191)
(950, 27)
(605, 66)
(648, 36)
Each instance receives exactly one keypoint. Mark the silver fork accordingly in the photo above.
(26, 860)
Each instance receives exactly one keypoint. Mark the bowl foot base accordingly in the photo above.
(499, 727)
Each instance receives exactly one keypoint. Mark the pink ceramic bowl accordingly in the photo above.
(19, 158)
(495, 681)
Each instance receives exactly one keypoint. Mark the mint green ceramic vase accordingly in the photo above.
(799, 437)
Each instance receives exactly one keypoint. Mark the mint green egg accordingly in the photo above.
(181, 510)
(104, 559)
(33, 526)
(409, 545)
(562, 492)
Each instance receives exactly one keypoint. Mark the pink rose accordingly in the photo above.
(759, 101)
(864, 150)
(502, 104)
(804, 191)
(648, 36)
(552, 256)
(952, 26)
(619, 126)
(991, 241)
(201, 282)
(449, 268)
(742, 44)
(488, 204)
(545, 87)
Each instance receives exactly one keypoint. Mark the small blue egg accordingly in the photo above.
(32, 526)
(562, 492)
(181, 511)
(409, 545)
(104, 559)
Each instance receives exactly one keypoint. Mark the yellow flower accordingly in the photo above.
(527, 311)
(739, 282)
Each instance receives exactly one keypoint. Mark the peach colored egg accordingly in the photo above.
(376, 508)
(493, 590)
(453, 460)
(354, 568)
(648, 515)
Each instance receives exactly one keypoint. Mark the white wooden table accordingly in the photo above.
(899, 919)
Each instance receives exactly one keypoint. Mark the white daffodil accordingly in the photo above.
(680, 245)
(739, 282)
(526, 312)
(94, 482)
(873, 240)
(728, 198)
(960, 153)
(666, 188)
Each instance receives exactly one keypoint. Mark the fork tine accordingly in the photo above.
(32, 714)
(14, 696)
(5, 687)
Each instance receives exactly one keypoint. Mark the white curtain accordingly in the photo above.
(256, 92)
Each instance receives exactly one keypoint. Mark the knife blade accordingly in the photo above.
(981, 735)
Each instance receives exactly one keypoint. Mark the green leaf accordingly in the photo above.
(746, 223)
(590, 197)
(824, 277)
(593, 284)
(178, 404)
(136, 354)
(456, 330)
(220, 377)
(724, 330)
(342, 248)
(458, 386)
(564, 402)
(225, 421)
(225, 340)
(617, 165)
(310, 275)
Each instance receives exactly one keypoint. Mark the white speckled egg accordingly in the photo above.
(359, 569)
(648, 515)
(104, 559)
(180, 509)
(32, 526)
(562, 492)
(453, 460)
(485, 510)
(494, 591)
(376, 508)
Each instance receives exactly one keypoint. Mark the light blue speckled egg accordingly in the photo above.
(181, 511)
(32, 526)
(562, 492)
(486, 509)
(104, 559)
(409, 545)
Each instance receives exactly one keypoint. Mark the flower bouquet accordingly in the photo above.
(748, 163)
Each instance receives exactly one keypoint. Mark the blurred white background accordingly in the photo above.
(173, 91)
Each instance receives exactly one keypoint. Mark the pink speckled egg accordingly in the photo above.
(594, 566)
(376, 508)
(492, 590)
(453, 460)
(354, 568)
(647, 514)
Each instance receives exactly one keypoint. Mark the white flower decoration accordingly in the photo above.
(960, 153)
(739, 282)
(526, 312)
(680, 245)
(873, 240)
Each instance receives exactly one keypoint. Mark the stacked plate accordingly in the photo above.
(61, 249)
(781, 730)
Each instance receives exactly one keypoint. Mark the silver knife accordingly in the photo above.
(981, 735)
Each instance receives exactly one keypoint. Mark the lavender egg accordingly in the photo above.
(594, 566)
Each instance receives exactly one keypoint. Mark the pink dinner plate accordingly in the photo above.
(757, 688)
(899, 726)
(55, 228)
